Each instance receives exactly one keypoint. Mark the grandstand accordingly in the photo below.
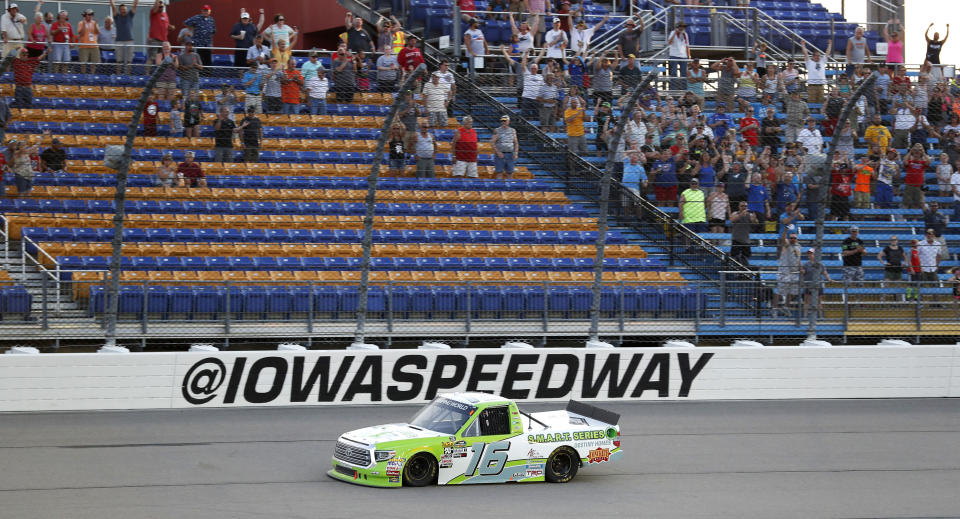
(273, 249)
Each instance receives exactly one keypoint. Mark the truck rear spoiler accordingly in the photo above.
(594, 412)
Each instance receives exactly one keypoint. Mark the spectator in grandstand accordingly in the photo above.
(167, 172)
(410, 57)
(364, 65)
(934, 219)
(692, 207)
(877, 135)
(226, 98)
(389, 32)
(813, 271)
(5, 116)
(446, 78)
(189, 66)
(864, 175)
(244, 32)
(524, 32)
(770, 132)
(581, 35)
(506, 147)
(719, 122)
(61, 35)
(696, 75)
(123, 19)
(934, 46)
(629, 40)
(357, 37)
(841, 176)
(735, 177)
(858, 51)
(718, 208)
(788, 274)
(425, 150)
(798, 111)
(816, 71)
(790, 78)
(151, 113)
(634, 175)
(921, 129)
(664, 178)
(787, 222)
(915, 164)
(290, 86)
(398, 150)
(726, 84)
(258, 53)
(892, 258)
(190, 172)
(39, 36)
(53, 158)
(88, 34)
(252, 82)
(203, 28)
(344, 77)
(251, 133)
(888, 180)
(532, 82)
(106, 39)
(176, 116)
(758, 198)
(602, 81)
(160, 26)
(388, 70)
(628, 74)
(547, 102)
(23, 69)
(852, 251)
(555, 40)
(742, 222)
(407, 112)
(464, 147)
(317, 87)
(914, 269)
(192, 115)
(810, 138)
(929, 252)
(476, 47)
(747, 86)
(573, 119)
(893, 35)
(223, 130)
(750, 127)
(11, 29)
(636, 130)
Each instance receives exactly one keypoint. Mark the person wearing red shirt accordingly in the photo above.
(190, 172)
(61, 36)
(150, 117)
(914, 166)
(750, 127)
(160, 26)
(465, 149)
(915, 269)
(410, 56)
(841, 179)
(467, 9)
(23, 68)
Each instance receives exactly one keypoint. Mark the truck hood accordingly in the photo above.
(378, 434)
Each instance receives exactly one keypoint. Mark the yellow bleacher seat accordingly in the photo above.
(258, 275)
(281, 275)
(469, 275)
(211, 276)
(672, 277)
(306, 275)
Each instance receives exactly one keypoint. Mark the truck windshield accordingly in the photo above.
(443, 415)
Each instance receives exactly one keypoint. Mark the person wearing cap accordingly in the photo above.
(410, 57)
(251, 136)
(629, 40)
(54, 158)
(696, 75)
(852, 251)
(581, 35)
(555, 40)
(810, 137)
(11, 29)
(679, 51)
(88, 33)
(693, 210)
(727, 83)
(158, 32)
(813, 272)
(189, 67)
(564, 13)
(476, 46)
(204, 27)
(464, 145)
(788, 274)
(123, 18)
(243, 34)
(506, 147)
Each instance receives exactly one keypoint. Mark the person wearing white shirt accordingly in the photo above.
(524, 32)
(556, 40)
(955, 187)
(532, 83)
(810, 138)
(581, 35)
(929, 251)
(679, 44)
(476, 45)
(317, 87)
(436, 95)
(258, 52)
(816, 71)
(280, 31)
(11, 29)
(637, 130)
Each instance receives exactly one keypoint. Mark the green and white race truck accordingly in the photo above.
(462, 438)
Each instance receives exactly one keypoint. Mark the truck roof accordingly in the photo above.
(474, 397)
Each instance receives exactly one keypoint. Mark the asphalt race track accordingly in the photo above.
(881, 458)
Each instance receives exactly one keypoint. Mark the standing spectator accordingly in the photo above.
(864, 175)
(167, 82)
(532, 83)
(693, 211)
(363, 71)
(390, 33)
(852, 251)
(446, 78)
(789, 215)
(226, 98)
(797, 112)
(244, 32)
(679, 50)
(547, 100)
(816, 71)
(398, 150)
(892, 257)
(437, 96)
(291, 84)
(344, 77)
(664, 177)
(280, 31)
(556, 40)
(810, 137)
(858, 51)
(258, 53)
(929, 251)
(736, 180)
(921, 128)
(955, 281)
(22, 164)
(840, 188)
(251, 136)
(955, 191)
(204, 27)
(580, 36)
(88, 33)
(758, 198)
(5, 116)
(176, 116)
(696, 75)
(602, 80)
(190, 171)
(39, 36)
(407, 113)
(23, 69)
(634, 176)
(742, 222)
(388, 70)
(629, 39)
(506, 146)
(750, 127)
(888, 180)
(252, 82)
(915, 269)
(726, 84)
(719, 122)
(476, 46)
(934, 219)
(189, 67)
(816, 181)
(317, 88)
(123, 18)
(11, 29)
(524, 33)
(272, 87)
(54, 158)
(770, 130)
(192, 115)
(410, 57)
(465, 149)
(915, 166)
(877, 135)
(788, 274)
(357, 38)
(151, 112)
(894, 39)
(425, 150)
(747, 87)
(573, 119)
(813, 271)
(718, 209)
(107, 39)
(944, 173)
(160, 26)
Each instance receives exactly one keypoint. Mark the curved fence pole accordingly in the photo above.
(113, 287)
(372, 180)
(602, 224)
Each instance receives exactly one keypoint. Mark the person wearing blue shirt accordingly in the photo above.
(204, 27)
(123, 20)
(788, 221)
(787, 191)
(719, 122)
(664, 175)
(252, 85)
(758, 200)
(707, 173)
(634, 175)
(243, 32)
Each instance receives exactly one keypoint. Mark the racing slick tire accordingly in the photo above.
(420, 470)
(562, 465)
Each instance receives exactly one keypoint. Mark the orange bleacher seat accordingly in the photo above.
(399, 276)
(317, 250)
(258, 275)
(425, 276)
(494, 276)
(175, 249)
(211, 276)
(223, 249)
(234, 275)
(326, 275)
(186, 275)
(560, 277)
(281, 275)
(306, 275)
(469, 275)
(671, 277)
(582, 277)
(514, 276)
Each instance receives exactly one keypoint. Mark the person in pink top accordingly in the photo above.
(39, 36)
(894, 38)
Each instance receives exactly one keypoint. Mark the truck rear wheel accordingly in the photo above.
(562, 465)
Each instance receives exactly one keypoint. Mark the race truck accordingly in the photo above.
(466, 438)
